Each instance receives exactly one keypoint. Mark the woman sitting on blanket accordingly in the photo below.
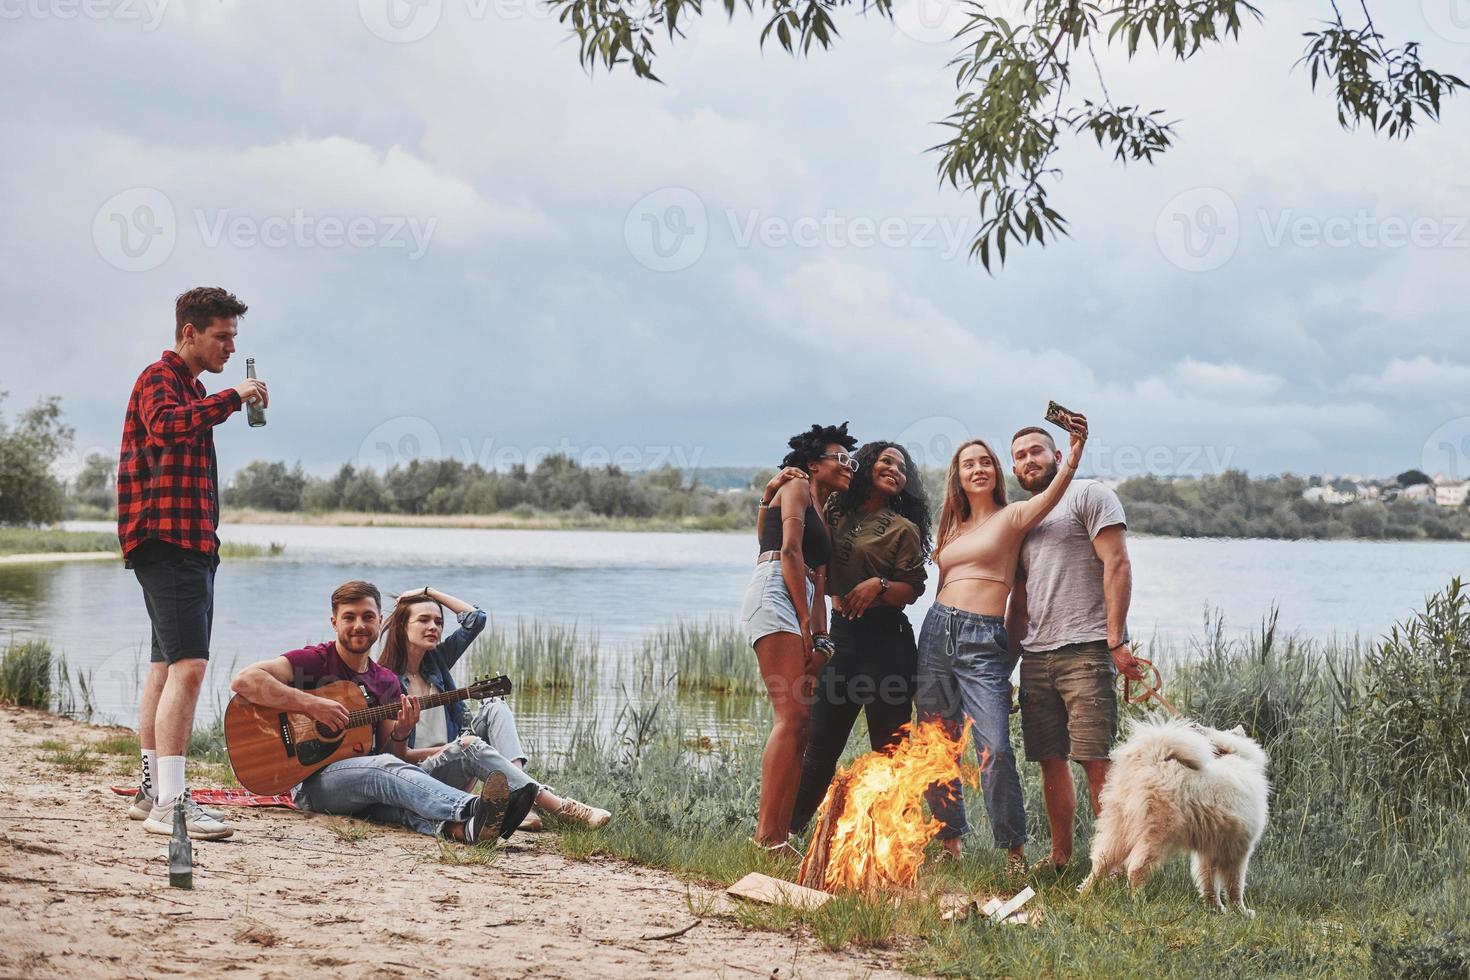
(447, 743)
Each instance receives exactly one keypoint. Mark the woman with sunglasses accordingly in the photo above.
(880, 542)
(784, 612)
(965, 658)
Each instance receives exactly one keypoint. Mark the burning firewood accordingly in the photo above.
(871, 830)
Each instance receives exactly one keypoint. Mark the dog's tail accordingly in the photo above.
(1191, 754)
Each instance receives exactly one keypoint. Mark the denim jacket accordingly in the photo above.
(436, 667)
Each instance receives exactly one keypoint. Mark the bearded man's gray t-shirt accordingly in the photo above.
(1064, 576)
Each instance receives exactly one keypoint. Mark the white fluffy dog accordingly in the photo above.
(1177, 786)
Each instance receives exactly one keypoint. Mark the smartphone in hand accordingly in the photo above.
(1062, 417)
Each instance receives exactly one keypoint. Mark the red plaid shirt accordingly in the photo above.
(167, 475)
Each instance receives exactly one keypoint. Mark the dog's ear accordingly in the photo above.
(1238, 730)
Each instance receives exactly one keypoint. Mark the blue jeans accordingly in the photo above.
(468, 759)
(384, 788)
(965, 667)
(497, 726)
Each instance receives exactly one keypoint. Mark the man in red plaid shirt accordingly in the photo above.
(167, 512)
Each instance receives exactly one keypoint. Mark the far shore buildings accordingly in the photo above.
(1452, 494)
(1442, 492)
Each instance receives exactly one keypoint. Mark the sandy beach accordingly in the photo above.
(86, 894)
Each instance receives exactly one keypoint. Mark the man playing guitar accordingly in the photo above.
(380, 784)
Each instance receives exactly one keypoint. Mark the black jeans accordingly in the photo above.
(873, 671)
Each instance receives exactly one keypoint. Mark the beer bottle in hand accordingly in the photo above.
(254, 413)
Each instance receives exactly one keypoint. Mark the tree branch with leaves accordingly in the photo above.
(1014, 77)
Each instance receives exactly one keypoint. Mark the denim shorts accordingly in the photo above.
(767, 607)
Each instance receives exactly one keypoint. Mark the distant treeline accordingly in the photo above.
(557, 485)
(1232, 505)
(1229, 505)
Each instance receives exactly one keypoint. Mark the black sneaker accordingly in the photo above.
(487, 815)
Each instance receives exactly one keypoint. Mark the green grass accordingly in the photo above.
(459, 855)
(72, 757)
(47, 541)
(35, 541)
(710, 657)
(707, 657)
(124, 745)
(350, 831)
(25, 674)
(537, 656)
(1361, 871)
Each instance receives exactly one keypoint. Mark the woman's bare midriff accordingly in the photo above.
(977, 595)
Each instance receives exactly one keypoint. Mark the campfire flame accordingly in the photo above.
(877, 839)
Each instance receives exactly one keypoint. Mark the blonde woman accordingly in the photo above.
(965, 659)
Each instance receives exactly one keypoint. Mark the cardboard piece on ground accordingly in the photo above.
(1009, 908)
(954, 906)
(774, 891)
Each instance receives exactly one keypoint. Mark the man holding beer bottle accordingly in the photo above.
(167, 513)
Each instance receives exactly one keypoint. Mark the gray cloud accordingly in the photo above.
(299, 151)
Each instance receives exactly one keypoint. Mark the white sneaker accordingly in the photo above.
(142, 806)
(201, 825)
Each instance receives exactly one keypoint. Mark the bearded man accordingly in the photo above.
(1068, 613)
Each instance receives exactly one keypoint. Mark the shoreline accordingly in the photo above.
(483, 522)
(41, 557)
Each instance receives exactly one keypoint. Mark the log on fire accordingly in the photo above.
(814, 867)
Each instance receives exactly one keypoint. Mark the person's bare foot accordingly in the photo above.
(951, 849)
(1053, 862)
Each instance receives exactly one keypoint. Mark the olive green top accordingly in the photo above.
(869, 544)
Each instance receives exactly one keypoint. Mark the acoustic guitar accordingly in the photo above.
(272, 750)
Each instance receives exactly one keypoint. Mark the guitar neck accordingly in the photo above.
(371, 716)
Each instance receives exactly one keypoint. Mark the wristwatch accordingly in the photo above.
(882, 585)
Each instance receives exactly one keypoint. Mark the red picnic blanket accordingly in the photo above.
(224, 797)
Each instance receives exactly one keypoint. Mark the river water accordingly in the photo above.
(621, 585)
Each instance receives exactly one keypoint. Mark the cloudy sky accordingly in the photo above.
(453, 241)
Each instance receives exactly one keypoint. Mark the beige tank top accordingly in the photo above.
(985, 552)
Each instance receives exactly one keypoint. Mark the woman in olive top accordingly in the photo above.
(785, 612)
(880, 540)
